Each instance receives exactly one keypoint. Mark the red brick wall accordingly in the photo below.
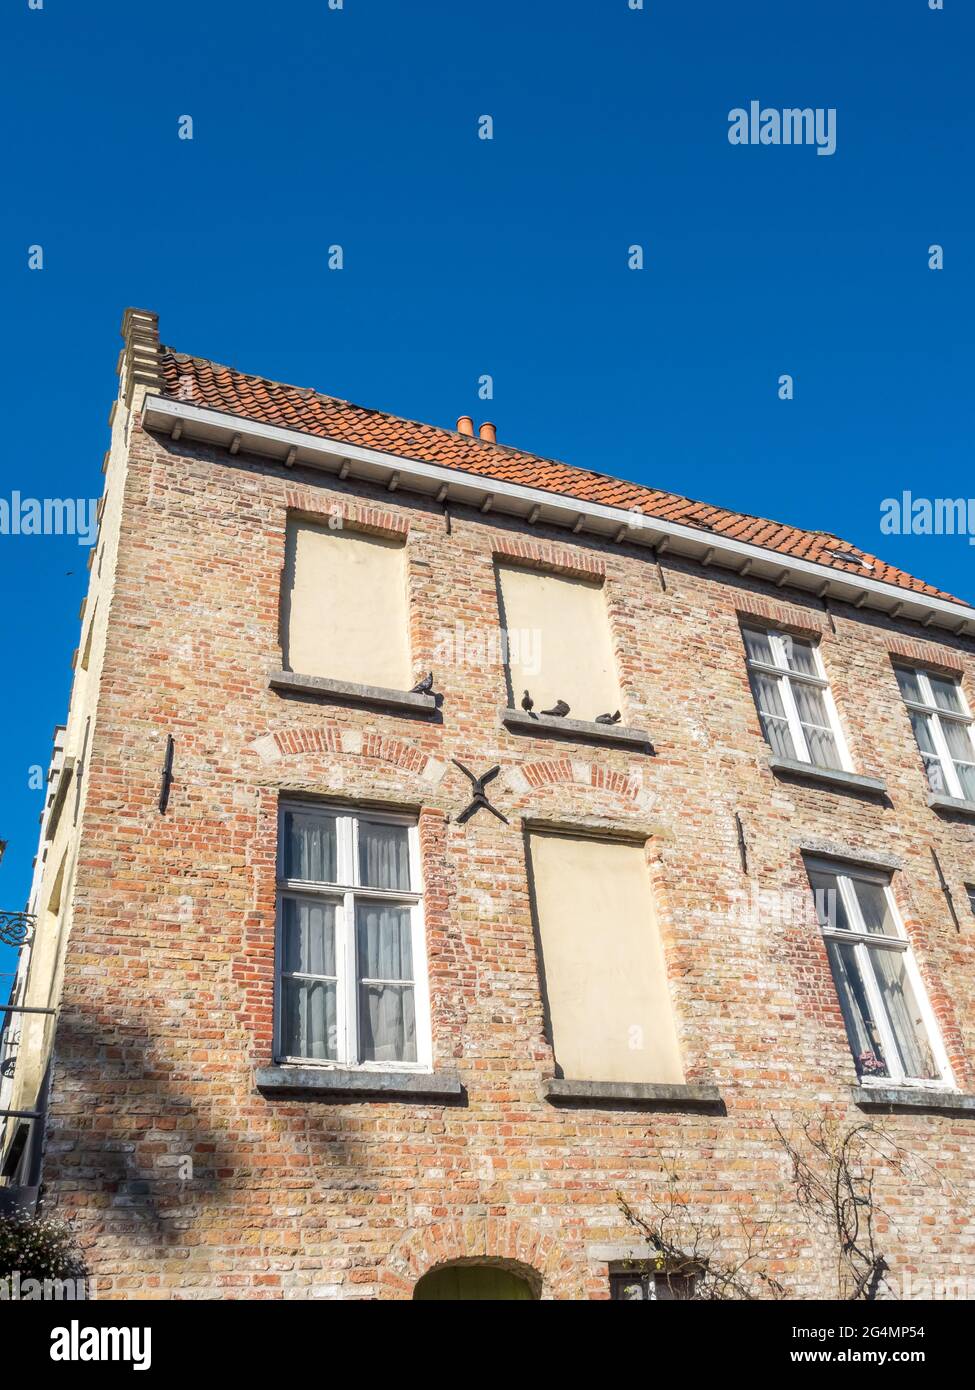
(168, 993)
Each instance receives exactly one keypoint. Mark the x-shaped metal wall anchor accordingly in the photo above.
(479, 799)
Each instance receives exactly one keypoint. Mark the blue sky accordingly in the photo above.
(465, 257)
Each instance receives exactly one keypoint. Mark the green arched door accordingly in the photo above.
(467, 1282)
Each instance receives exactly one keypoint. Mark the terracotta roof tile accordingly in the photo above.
(301, 408)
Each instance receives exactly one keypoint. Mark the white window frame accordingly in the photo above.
(927, 706)
(344, 893)
(780, 668)
(861, 939)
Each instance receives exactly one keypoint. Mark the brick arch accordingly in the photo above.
(515, 1245)
(339, 740)
(578, 772)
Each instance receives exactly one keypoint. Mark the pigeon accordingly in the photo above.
(608, 718)
(559, 710)
(423, 687)
(528, 704)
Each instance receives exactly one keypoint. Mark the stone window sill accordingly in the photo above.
(328, 1083)
(957, 805)
(913, 1098)
(830, 776)
(644, 1094)
(582, 730)
(348, 691)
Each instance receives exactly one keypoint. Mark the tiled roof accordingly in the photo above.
(299, 408)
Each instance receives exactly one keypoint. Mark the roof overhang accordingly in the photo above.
(535, 505)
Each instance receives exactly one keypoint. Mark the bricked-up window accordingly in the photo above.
(352, 986)
(558, 642)
(793, 698)
(344, 606)
(603, 970)
(638, 1284)
(891, 1030)
(942, 725)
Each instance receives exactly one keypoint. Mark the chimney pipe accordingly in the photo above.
(488, 432)
(465, 425)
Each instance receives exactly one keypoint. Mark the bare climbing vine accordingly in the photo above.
(833, 1175)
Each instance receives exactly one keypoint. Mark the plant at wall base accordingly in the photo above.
(38, 1247)
(835, 1172)
(690, 1249)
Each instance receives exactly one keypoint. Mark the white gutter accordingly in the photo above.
(290, 447)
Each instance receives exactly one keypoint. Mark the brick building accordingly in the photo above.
(326, 1023)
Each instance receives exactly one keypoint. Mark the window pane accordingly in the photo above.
(387, 1025)
(815, 724)
(309, 846)
(921, 724)
(639, 1286)
(946, 694)
(799, 656)
(861, 1030)
(959, 741)
(629, 1288)
(822, 747)
(671, 1286)
(384, 945)
(875, 907)
(900, 1002)
(966, 776)
(384, 855)
(909, 684)
(309, 1023)
(772, 713)
(810, 704)
(962, 751)
(758, 646)
(830, 908)
(309, 937)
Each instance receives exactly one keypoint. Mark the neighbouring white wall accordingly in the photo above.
(41, 965)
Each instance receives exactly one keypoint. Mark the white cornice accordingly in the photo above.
(289, 447)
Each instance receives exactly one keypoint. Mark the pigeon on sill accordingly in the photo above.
(608, 718)
(528, 704)
(558, 711)
(423, 687)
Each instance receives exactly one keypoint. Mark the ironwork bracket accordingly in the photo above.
(16, 928)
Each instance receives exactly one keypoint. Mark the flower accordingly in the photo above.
(868, 1062)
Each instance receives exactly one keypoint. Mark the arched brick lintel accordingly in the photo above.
(516, 1245)
(338, 740)
(579, 773)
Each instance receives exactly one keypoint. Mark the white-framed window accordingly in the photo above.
(793, 699)
(351, 959)
(942, 724)
(892, 1031)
